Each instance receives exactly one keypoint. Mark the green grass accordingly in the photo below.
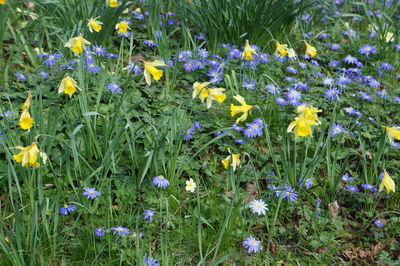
(118, 142)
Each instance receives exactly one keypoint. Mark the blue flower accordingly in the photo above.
(378, 223)
(253, 245)
(189, 133)
(93, 68)
(160, 181)
(114, 87)
(202, 53)
(91, 193)
(280, 101)
(383, 94)
(100, 232)
(237, 128)
(367, 50)
(66, 209)
(336, 129)
(249, 84)
(51, 59)
(148, 214)
(369, 187)
(150, 261)
(150, 43)
(289, 193)
(120, 230)
(99, 50)
(352, 189)
(346, 177)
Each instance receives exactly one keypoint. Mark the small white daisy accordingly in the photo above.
(258, 206)
(190, 185)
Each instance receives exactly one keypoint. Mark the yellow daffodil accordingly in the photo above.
(309, 112)
(393, 133)
(281, 49)
(235, 158)
(209, 94)
(301, 126)
(248, 51)
(94, 25)
(388, 183)
(150, 69)
(123, 28)
(77, 44)
(112, 3)
(26, 122)
(243, 108)
(3, 2)
(28, 155)
(190, 185)
(67, 86)
(310, 50)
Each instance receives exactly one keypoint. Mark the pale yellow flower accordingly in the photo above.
(123, 28)
(209, 94)
(28, 155)
(77, 44)
(67, 86)
(243, 108)
(248, 51)
(151, 70)
(301, 126)
(112, 3)
(393, 133)
(234, 159)
(388, 183)
(309, 112)
(310, 50)
(281, 49)
(94, 25)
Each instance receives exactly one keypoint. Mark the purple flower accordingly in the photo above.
(148, 214)
(346, 177)
(150, 43)
(350, 60)
(334, 46)
(367, 50)
(351, 111)
(189, 133)
(66, 209)
(383, 94)
(160, 181)
(93, 68)
(100, 232)
(385, 66)
(234, 53)
(44, 75)
(99, 50)
(249, 84)
(237, 128)
(292, 94)
(272, 89)
(202, 53)
(336, 129)
(352, 189)
(91, 193)
(280, 101)
(114, 87)
(252, 244)
(120, 230)
(184, 56)
(191, 65)
(369, 187)
(51, 59)
(378, 223)
(240, 141)
(253, 130)
(332, 94)
(20, 76)
(197, 125)
(328, 82)
(200, 37)
(291, 70)
(150, 261)
(290, 193)
(301, 86)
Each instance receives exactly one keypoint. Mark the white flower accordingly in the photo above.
(258, 206)
(190, 185)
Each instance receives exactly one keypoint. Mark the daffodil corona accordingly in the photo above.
(77, 44)
(387, 183)
(234, 159)
(243, 108)
(151, 70)
(248, 52)
(3, 2)
(112, 3)
(309, 112)
(67, 86)
(301, 126)
(209, 94)
(123, 28)
(26, 122)
(94, 25)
